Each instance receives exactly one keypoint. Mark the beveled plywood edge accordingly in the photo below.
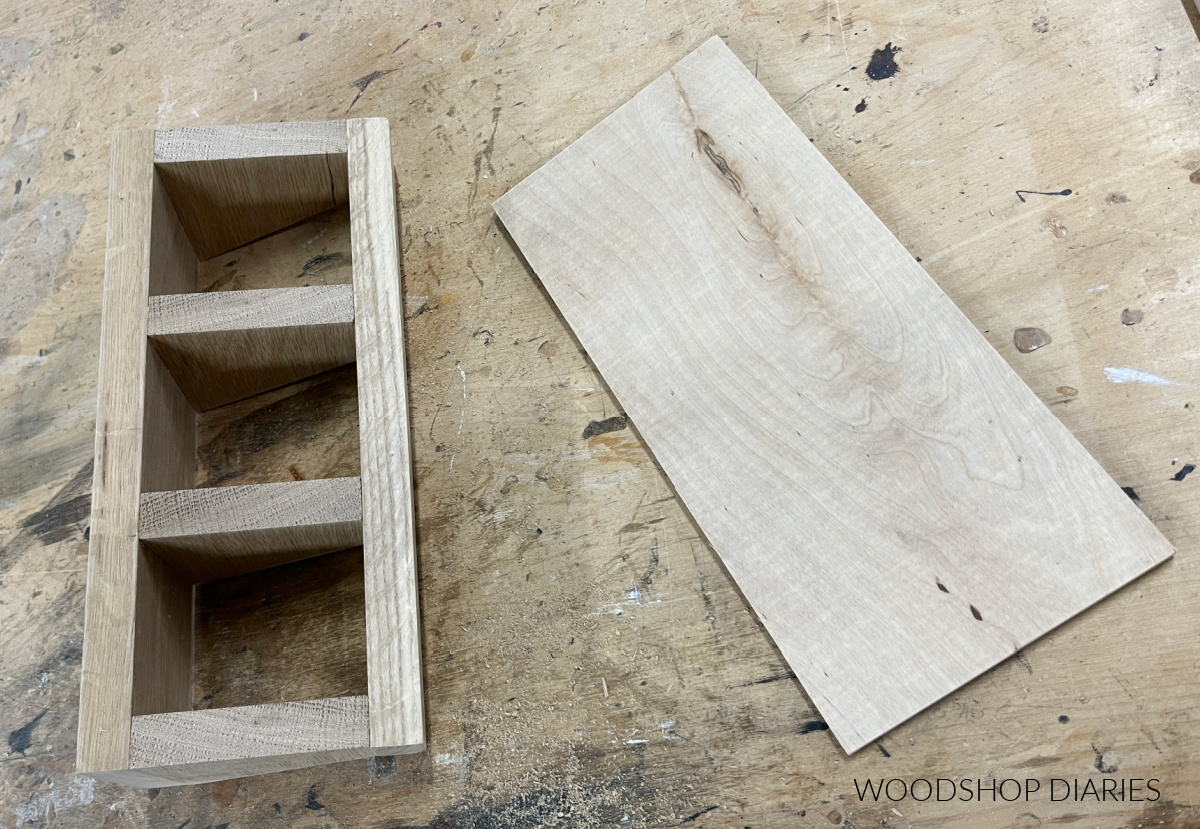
(241, 310)
(249, 141)
(249, 734)
(218, 532)
(389, 543)
(106, 682)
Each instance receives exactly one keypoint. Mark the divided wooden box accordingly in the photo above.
(166, 352)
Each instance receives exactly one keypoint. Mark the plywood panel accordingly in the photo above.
(899, 508)
(389, 543)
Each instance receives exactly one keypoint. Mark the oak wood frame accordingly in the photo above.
(166, 351)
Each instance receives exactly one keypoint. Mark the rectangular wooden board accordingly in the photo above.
(223, 531)
(388, 526)
(215, 744)
(106, 689)
(228, 345)
(900, 509)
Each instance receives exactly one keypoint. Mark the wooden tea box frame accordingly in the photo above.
(176, 197)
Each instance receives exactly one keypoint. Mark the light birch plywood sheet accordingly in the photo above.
(899, 508)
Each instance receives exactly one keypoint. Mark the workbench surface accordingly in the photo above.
(588, 662)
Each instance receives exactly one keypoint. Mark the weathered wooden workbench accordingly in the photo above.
(588, 662)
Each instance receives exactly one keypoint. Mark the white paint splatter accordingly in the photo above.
(633, 598)
(15, 363)
(448, 759)
(922, 162)
(1097, 289)
(1132, 375)
(462, 417)
(164, 108)
(636, 742)
(665, 725)
(256, 93)
(79, 792)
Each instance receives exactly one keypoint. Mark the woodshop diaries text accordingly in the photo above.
(1010, 789)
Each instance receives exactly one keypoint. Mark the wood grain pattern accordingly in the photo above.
(262, 308)
(107, 677)
(1125, 146)
(225, 531)
(295, 138)
(295, 632)
(231, 185)
(199, 746)
(173, 262)
(899, 508)
(229, 345)
(162, 639)
(389, 543)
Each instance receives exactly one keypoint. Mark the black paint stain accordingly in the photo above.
(883, 750)
(69, 155)
(17, 192)
(424, 309)
(22, 738)
(303, 36)
(600, 427)
(883, 63)
(382, 768)
(185, 823)
(321, 264)
(1131, 492)
(57, 520)
(976, 614)
(1063, 718)
(941, 586)
(1184, 471)
(814, 725)
(1101, 766)
(705, 144)
(366, 80)
(773, 678)
(651, 567)
(692, 818)
(861, 106)
(485, 156)
(1066, 192)
(310, 800)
